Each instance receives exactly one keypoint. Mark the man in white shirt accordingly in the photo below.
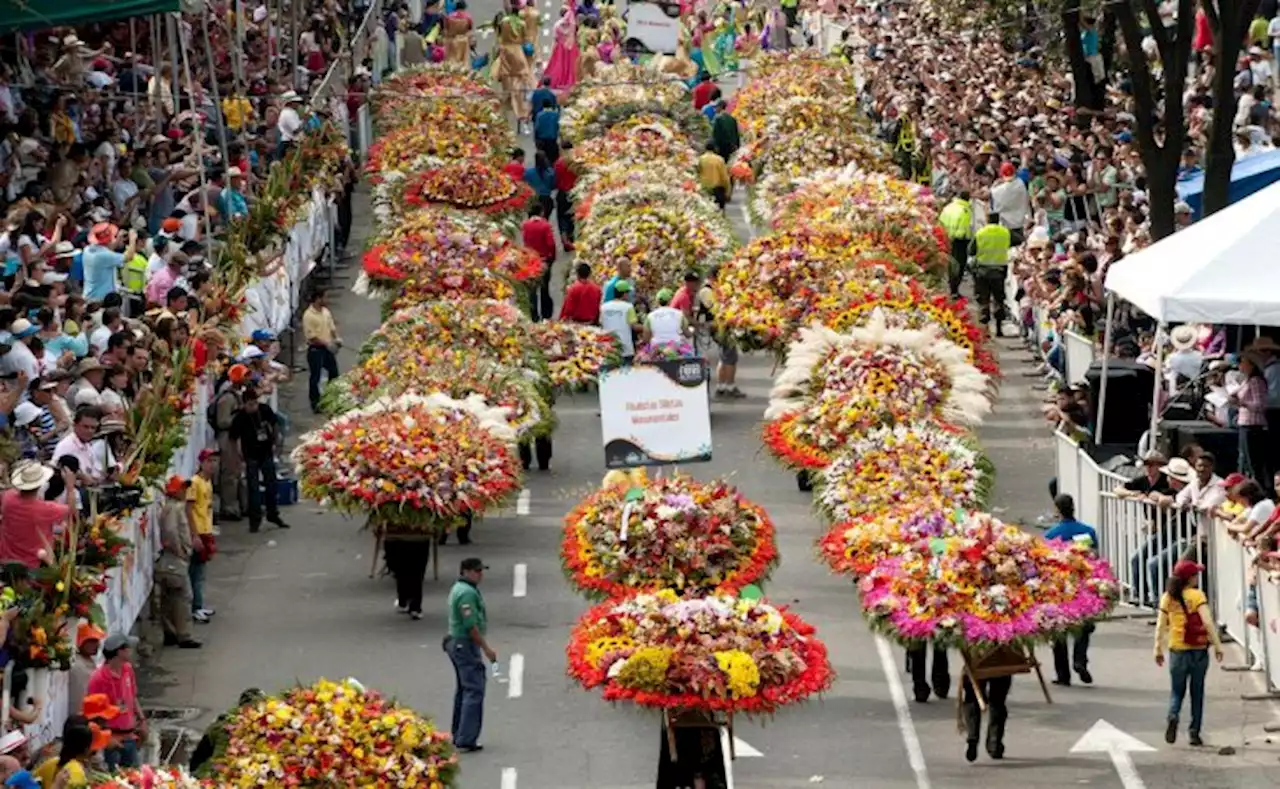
(96, 461)
(1260, 66)
(666, 324)
(1203, 492)
(20, 359)
(618, 316)
(290, 123)
(1009, 199)
(112, 322)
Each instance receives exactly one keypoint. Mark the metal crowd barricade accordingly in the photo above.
(1079, 355)
(1067, 462)
(1142, 542)
(1269, 617)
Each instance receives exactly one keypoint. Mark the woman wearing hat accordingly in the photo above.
(1186, 627)
(26, 519)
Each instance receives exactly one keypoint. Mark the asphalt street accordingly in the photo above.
(296, 605)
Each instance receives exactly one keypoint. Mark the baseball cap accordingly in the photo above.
(622, 286)
(89, 631)
(472, 564)
(260, 336)
(1187, 569)
(1233, 479)
(116, 642)
(175, 485)
(206, 453)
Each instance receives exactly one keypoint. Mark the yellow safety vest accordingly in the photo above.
(790, 3)
(134, 277)
(956, 219)
(993, 244)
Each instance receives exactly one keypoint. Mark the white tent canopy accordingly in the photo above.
(1223, 269)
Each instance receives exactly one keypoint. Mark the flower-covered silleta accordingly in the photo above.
(333, 734)
(490, 328)
(635, 147)
(991, 585)
(450, 128)
(653, 352)
(471, 185)
(920, 463)
(715, 653)
(148, 777)
(673, 532)
(413, 463)
(855, 547)
(575, 352)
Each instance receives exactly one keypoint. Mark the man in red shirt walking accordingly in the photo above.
(515, 167)
(538, 236)
(702, 93)
(582, 299)
(566, 179)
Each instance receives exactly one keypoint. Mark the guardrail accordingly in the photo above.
(1078, 357)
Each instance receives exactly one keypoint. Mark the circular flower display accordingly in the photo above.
(445, 128)
(801, 152)
(778, 77)
(673, 532)
(708, 653)
(334, 734)
(410, 85)
(593, 108)
(429, 240)
(890, 467)
(634, 148)
(471, 185)
(610, 177)
(851, 195)
(148, 777)
(494, 329)
(990, 586)
(679, 117)
(856, 546)
(413, 463)
(653, 352)
(575, 352)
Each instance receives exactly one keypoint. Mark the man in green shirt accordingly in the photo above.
(465, 644)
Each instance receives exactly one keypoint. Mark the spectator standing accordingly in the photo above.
(231, 202)
(254, 429)
(537, 235)
(101, 261)
(1251, 400)
(172, 570)
(115, 680)
(465, 643)
(289, 125)
(321, 332)
(88, 641)
(1070, 530)
(1186, 626)
(27, 521)
(582, 299)
(226, 405)
(200, 516)
(1010, 199)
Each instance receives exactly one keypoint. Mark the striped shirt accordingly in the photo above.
(1253, 402)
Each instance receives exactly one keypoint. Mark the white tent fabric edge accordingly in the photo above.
(1223, 269)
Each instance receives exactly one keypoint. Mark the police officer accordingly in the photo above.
(469, 652)
(957, 219)
(990, 250)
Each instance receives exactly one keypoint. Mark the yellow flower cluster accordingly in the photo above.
(742, 671)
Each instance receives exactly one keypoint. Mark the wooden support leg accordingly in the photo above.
(377, 551)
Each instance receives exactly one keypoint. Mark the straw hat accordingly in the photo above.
(1183, 338)
(1179, 469)
(30, 476)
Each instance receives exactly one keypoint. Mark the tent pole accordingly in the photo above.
(213, 84)
(175, 78)
(199, 145)
(1106, 357)
(1155, 389)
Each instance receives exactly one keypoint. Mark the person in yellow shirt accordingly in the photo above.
(200, 516)
(713, 174)
(1187, 625)
(323, 342)
(237, 111)
(67, 769)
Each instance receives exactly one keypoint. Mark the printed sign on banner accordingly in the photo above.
(656, 414)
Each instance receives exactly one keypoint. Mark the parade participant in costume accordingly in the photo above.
(532, 24)
(712, 51)
(562, 68)
(511, 68)
(775, 37)
(457, 35)
(917, 665)
(611, 33)
(589, 57)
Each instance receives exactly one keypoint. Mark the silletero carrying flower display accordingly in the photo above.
(714, 653)
(673, 532)
(334, 734)
(414, 463)
(470, 185)
(575, 352)
(991, 585)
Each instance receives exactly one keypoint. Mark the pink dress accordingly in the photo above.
(562, 68)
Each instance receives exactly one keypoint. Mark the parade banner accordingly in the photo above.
(656, 414)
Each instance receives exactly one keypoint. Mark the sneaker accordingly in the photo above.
(1171, 731)
(229, 517)
(737, 393)
(415, 615)
(1194, 739)
(189, 643)
(200, 617)
(471, 748)
(404, 609)
(206, 612)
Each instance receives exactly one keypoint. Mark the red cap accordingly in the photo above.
(1233, 479)
(1007, 170)
(206, 453)
(1186, 569)
(175, 485)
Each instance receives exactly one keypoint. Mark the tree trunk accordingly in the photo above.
(1087, 94)
(1162, 194)
(1230, 21)
(1107, 43)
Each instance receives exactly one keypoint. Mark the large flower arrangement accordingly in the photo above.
(594, 107)
(891, 466)
(634, 148)
(855, 547)
(575, 352)
(448, 128)
(992, 585)
(812, 115)
(708, 653)
(780, 77)
(653, 352)
(624, 175)
(470, 185)
(852, 195)
(413, 463)
(492, 328)
(334, 734)
(800, 152)
(661, 240)
(410, 85)
(674, 532)
(148, 777)
(678, 116)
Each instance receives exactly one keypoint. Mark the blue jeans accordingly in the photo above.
(468, 696)
(122, 756)
(195, 570)
(319, 360)
(1188, 665)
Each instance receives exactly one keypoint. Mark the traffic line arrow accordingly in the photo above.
(743, 750)
(1105, 738)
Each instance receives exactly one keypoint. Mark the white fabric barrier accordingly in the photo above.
(1079, 355)
(1067, 461)
(272, 301)
(128, 590)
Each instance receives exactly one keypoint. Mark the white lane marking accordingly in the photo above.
(743, 750)
(1102, 737)
(520, 581)
(508, 778)
(522, 502)
(915, 755)
(515, 687)
(315, 575)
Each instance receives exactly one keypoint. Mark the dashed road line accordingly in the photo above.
(508, 778)
(522, 502)
(515, 682)
(520, 580)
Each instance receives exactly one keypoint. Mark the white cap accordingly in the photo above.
(250, 353)
(24, 414)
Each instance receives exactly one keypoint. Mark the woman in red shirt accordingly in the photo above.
(26, 520)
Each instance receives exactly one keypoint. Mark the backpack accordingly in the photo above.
(211, 412)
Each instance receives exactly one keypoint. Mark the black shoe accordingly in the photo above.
(170, 640)
(971, 751)
(189, 643)
(1194, 739)
(254, 528)
(941, 689)
(1171, 731)
(1066, 683)
(471, 748)
(464, 540)
(995, 749)
(443, 539)
(922, 693)
(229, 517)
(1085, 676)
(804, 481)
(280, 524)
